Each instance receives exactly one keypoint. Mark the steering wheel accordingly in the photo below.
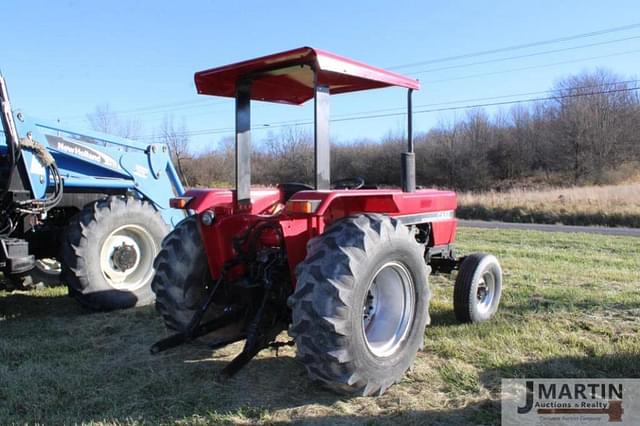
(349, 183)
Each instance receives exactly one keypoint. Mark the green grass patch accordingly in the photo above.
(570, 308)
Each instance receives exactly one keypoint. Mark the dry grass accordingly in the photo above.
(570, 308)
(612, 205)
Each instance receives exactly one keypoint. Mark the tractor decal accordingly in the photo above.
(73, 148)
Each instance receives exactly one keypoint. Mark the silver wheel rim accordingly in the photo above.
(139, 240)
(388, 309)
(485, 291)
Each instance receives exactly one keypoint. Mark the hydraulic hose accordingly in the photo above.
(37, 206)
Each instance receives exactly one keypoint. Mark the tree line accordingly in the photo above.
(585, 131)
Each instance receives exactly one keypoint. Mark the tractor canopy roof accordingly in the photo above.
(288, 77)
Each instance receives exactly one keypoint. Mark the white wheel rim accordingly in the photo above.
(388, 309)
(485, 291)
(138, 240)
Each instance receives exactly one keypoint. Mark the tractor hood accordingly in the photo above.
(288, 77)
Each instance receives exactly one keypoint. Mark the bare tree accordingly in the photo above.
(105, 120)
(177, 138)
(286, 157)
(591, 119)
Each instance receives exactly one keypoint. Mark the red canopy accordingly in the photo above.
(287, 77)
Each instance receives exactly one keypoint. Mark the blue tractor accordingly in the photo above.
(85, 209)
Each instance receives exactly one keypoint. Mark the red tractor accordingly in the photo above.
(342, 265)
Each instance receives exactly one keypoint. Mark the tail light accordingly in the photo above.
(302, 206)
(180, 202)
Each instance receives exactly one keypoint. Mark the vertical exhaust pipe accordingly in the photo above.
(409, 157)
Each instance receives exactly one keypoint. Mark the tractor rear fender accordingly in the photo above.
(200, 200)
(263, 201)
(434, 207)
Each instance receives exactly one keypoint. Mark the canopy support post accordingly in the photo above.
(243, 145)
(322, 148)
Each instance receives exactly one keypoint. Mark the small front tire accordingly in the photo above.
(478, 288)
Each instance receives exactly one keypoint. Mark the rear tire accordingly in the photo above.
(181, 280)
(361, 304)
(478, 287)
(107, 256)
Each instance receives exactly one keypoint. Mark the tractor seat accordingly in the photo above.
(289, 188)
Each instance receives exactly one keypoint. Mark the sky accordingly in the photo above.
(62, 59)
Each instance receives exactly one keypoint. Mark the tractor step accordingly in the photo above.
(14, 256)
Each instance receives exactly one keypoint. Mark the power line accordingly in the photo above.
(164, 108)
(533, 67)
(484, 105)
(518, 46)
(503, 71)
(528, 55)
(454, 108)
(194, 104)
(489, 98)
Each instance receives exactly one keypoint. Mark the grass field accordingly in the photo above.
(570, 308)
(612, 205)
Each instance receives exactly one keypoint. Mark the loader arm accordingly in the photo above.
(8, 125)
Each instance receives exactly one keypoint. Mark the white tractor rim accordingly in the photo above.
(388, 309)
(136, 246)
(485, 291)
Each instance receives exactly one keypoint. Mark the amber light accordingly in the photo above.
(302, 206)
(179, 202)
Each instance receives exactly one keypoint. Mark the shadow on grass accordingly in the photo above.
(20, 305)
(485, 412)
(443, 318)
(618, 365)
(33, 304)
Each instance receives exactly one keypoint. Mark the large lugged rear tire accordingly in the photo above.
(181, 280)
(107, 256)
(361, 304)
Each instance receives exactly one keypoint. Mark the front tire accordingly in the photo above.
(478, 287)
(361, 304)
(107, 257)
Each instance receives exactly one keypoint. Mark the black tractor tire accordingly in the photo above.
(478, 287)
(46, 273)
(364, 273)
(181, 281)
(95, 235)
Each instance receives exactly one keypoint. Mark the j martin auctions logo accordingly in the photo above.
(579, 398)
(570, 401)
